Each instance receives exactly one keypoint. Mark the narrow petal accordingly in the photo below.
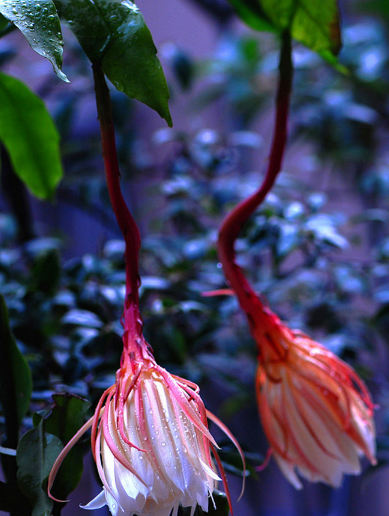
(97, 503)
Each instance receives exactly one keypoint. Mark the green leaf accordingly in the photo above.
(35, 457)
(3, 22)
(333, 61)
(316, 24)
(65, 417)
(114, 33)
(39, 23)
(63, 420)
(252, 13)
(87, 24)
(79, 317)
(375, 7)
(46, 273)
(30, 137)
(312, 22)
(15, 378)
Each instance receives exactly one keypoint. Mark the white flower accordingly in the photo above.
(315, 410)
(152, 445)
(151, 442)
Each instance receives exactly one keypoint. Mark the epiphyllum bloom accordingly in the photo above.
(315, 410)
(152, 444)
(150, 441)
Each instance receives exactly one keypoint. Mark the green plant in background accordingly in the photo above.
(65, 316)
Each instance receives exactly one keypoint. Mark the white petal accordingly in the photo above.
(209, 471)
(97, 503)
(288, 471)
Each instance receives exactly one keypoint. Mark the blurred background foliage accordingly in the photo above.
(317, 249)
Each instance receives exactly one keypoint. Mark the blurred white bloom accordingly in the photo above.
(315, 410)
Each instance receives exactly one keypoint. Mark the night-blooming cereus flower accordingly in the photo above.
(152, 445)
(151, 442)
(315, 410)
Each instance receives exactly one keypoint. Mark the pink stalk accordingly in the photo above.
(126, 222)
(235, 220)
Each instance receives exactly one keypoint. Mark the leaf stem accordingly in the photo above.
(126, 222)
(234, 221)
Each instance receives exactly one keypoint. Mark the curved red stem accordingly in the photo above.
(126, 222)
(235, 220)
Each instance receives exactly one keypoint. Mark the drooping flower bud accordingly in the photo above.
(315, 410)
(152, 445)
(151, 442)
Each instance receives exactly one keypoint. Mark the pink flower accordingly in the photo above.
(150, 441)
(315, 410)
